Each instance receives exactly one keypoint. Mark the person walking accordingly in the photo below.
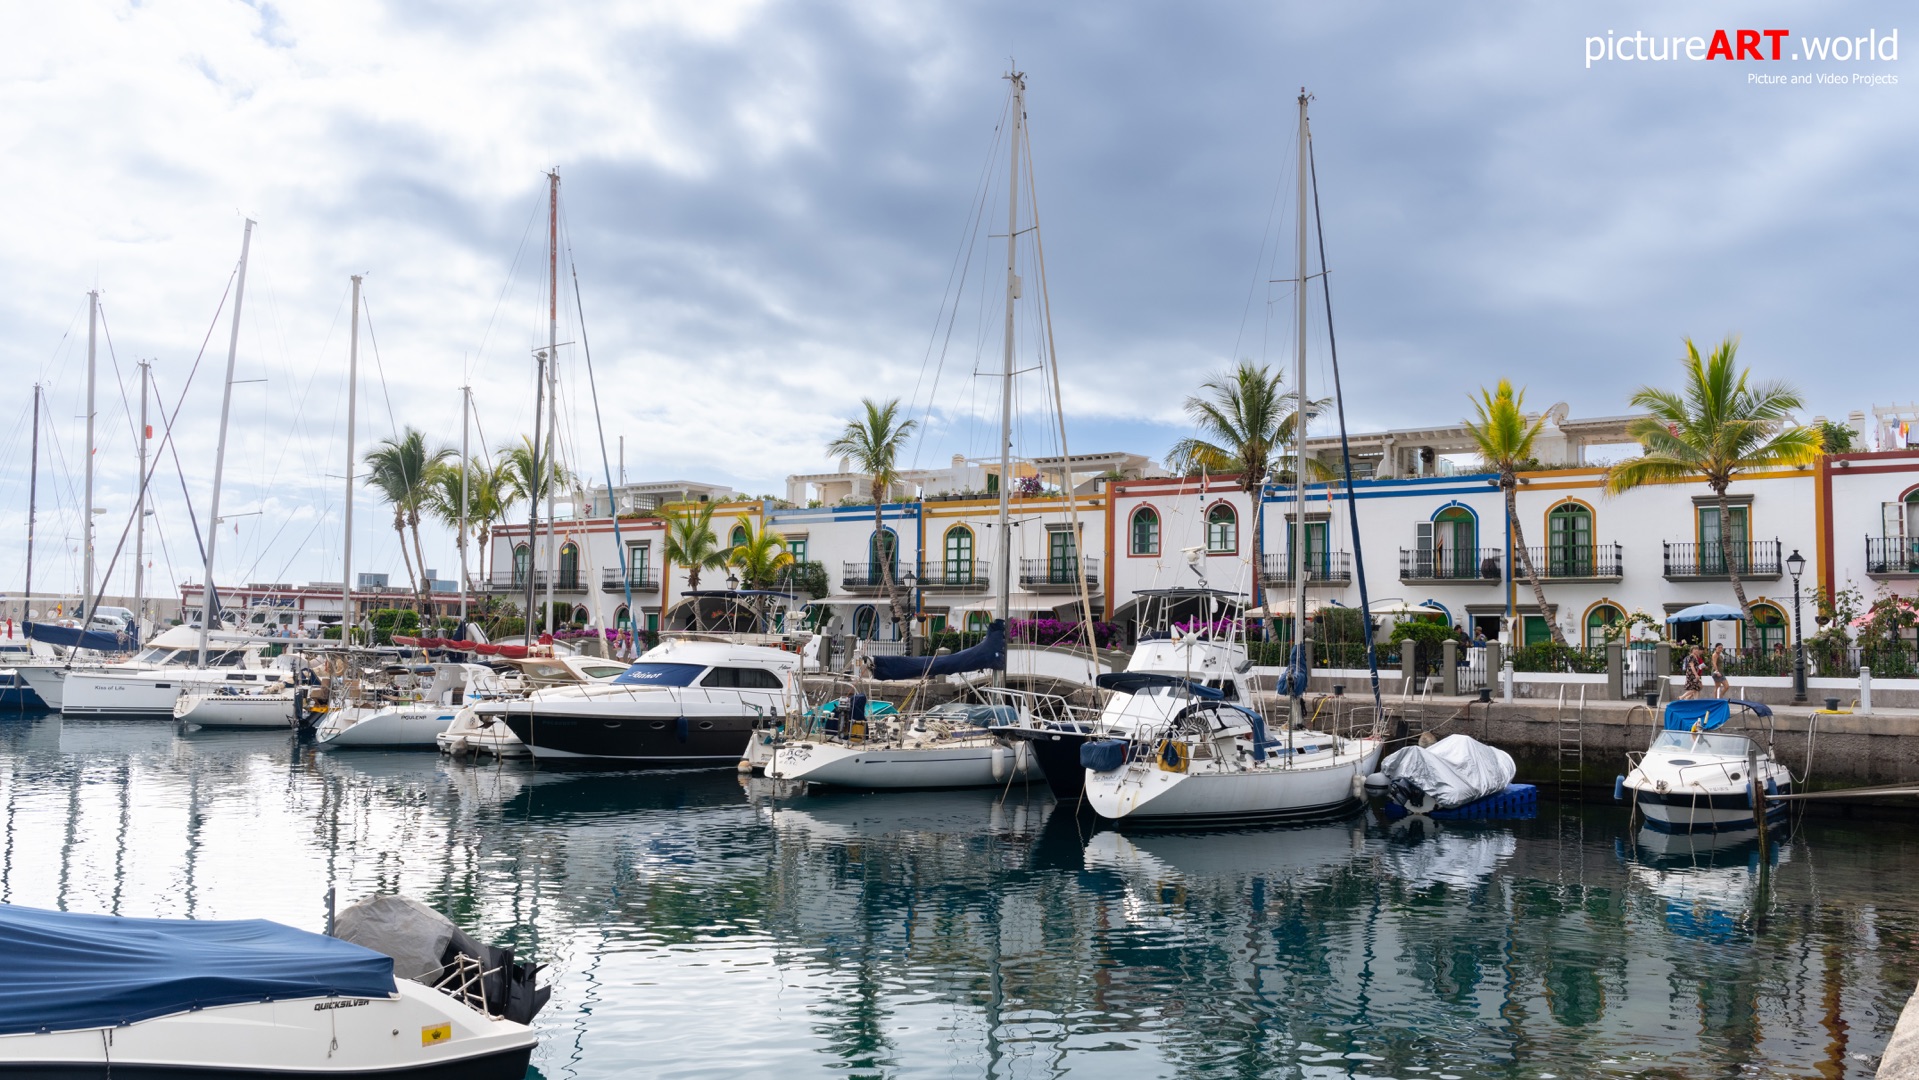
(1695, 670)
(1720, 687)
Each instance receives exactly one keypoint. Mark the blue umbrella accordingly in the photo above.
(1705, 613)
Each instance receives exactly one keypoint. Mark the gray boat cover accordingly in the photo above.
(414, 935)
(1452, 772)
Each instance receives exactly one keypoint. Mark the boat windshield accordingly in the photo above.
(652, 673)
(1703, 743)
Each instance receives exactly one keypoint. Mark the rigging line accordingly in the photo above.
(619, 543)
(319, 520)
(299, 407)
(963, 264)
(118, 379)
(1345, 450)
(385, 392)
(479, 355)
(1259, 261)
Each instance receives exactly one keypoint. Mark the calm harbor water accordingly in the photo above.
(698, 923)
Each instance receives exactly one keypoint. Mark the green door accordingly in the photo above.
(1062, 565)
(1535, 631)
(1711, 559)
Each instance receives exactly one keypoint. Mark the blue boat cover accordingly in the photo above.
(1708, 713)
(66, 972)
(988, 655)
(75, 638)
(1132, 682)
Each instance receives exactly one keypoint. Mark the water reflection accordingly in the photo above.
(702, 922)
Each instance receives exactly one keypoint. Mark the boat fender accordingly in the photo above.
(1772, 788)
(1359, 786)
(999, 761)
(1376, 780)
(679, 728)
(1619, 789)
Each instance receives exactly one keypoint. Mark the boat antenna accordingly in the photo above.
(1345, 449)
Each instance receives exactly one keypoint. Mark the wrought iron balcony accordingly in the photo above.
(1888, 556)
(639, 578)
(1057, 575)
(958, 575)
(1575, 562)
(1322, 568)
(1756, 560)
(869, 577)
(508, 581)
(1462, 566)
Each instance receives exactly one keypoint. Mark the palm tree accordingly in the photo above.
(691, 543)
(1505, 439)
(1245, 420)
(398, 469)
(760, 559)
(488, 490)
(872, 444)
(1717, 426)
(516, 464)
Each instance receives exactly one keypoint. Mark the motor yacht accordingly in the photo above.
(149, 682)
(472, 733)
(1698, 777)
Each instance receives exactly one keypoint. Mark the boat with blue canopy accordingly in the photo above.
(1706, 764)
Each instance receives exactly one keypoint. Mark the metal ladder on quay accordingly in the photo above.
(1572, 748)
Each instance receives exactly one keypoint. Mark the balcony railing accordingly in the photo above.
(639, 578)
(1322, 567)
(1467, 566)
(1576, 562)
(1755, 560)
(508, 581)
(868, 576)
(1888, 555)
(958, 575)
(1043, 575)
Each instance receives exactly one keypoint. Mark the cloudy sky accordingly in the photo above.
(765, 203)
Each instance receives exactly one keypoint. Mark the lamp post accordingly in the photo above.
(911, 581)
(1796, 565)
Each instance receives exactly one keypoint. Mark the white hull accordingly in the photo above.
(48, 682)
(1314, 786)
(1688, 782)
(418, 725)
(331, 1037)
(153, 693)
(267, 711)
(470, 734)
(974, 762)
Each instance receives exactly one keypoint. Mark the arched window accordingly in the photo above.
(579, 614)
(1455, 543)
(1598, 619)
(1145, 531)
(569, 566)
(622, 618)
(519, 564)
(1569, 541)
(1766, 631)
(738, 536)
(1222, 530)
(882, 548)
(976, 622)
(864, 619)
(959, 556)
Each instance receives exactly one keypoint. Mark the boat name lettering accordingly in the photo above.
(346, 1004)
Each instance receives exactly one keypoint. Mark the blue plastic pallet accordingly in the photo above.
(1514, 801)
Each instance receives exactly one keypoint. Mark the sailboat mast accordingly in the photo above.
(466, 424)
(33, 504)
(140, 508)
(86, 522)
(552, 375)
(220, 452)
(1298, 542)
(533, 497)
(352, 400)
(1006, 386)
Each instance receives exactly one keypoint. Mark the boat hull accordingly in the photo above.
(403, 727)
(110, 694)
(1056, 755)
(48, 683)
(1144, 793)
(634, 735)
(1689, 813)
(330, 1037)
(978, 763)
(271, 712)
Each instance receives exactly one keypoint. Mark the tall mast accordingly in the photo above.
(1298, 540)
(1018, 80)
(140, 508)
(533, 498)
(466, 418)
(352, 399)
(86, 522)
(33, 503)
(552, 376)
(220, 453)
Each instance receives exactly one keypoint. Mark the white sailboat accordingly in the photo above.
(1213, 761)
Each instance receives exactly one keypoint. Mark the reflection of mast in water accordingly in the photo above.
(120, 844)
(193, 837)
(66, 842)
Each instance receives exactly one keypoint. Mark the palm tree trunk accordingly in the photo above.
(1725, 549)
(399, 529)
(879, 549)
(1532, 573)
(413, 520)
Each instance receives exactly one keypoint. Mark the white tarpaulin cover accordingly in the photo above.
(1452, 772)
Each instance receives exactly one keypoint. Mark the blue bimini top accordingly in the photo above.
(68, 972)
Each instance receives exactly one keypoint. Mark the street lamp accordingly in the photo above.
(1796, 565)
(911, 581)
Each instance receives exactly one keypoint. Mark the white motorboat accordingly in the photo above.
(272, 707)
(1212, 763)
(949, 746)
(1695, 777)
(149, 682)
(96, 995)
(690, 700)
(417, 723)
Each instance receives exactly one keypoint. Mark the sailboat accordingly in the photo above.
(955, 744)
(1213, 761)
